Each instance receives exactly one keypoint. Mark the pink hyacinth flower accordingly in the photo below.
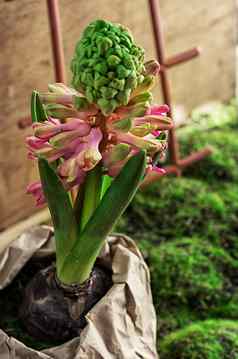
(152, 122)
(151, 145)
(71, 174)
(89, 155)
(54, 139)
(36, 190)
(35, 143)
(85, 156)
(46, 130)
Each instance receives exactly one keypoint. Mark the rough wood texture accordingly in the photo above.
(26, 62)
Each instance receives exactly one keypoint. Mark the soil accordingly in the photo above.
(33, 281)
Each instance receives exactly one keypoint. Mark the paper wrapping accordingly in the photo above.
(122, 325)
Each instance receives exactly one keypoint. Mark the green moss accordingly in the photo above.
(229, 308)
(215, 125)
(190, 270)
(212, 116)
(211, 339)
(189, 226)
(221, 165)
(190, 278)
(177, 207)
(174, 317)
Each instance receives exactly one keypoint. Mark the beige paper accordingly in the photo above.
(122, 325)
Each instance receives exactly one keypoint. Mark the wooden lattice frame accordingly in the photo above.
(177, 164)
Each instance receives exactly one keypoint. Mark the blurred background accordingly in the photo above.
(26, 64)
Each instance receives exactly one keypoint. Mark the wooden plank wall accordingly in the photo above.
(26, 63)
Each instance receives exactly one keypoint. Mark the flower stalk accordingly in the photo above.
(92, 192)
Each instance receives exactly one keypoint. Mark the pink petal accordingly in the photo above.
(36, 190)
(40, 201)
(35, 143)
(34, 187)
(88, 159)
(76, 124)
(79, 179)
(54, 121)
(158, 170)
(94, 138)
(31, 156)
(156, 133)
(114, 169)
(158, 110)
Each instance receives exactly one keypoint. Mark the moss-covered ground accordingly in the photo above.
(188, 230)
(211, 339)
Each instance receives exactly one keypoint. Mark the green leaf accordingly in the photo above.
(92, 191)
(65, 226)
(38, 113)
(79, 263)
(106, 183)
(61, 210)
(78, 204)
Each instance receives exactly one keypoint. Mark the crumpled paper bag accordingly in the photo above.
(122, 325)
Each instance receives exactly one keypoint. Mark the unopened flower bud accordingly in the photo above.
(59, 88)
(123, 125)
(88, 158)
(49, 97)
(157, 122)
(107, 106)
(146, 85)
(133, 110)
(107, 65)
(116, 153)
(141, 98)
(64, 138)
(60, 111)
(142, 130)
(152, 146)
(152, 67)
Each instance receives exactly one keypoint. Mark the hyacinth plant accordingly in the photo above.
(95, 142)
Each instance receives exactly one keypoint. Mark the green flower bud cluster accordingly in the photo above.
(107, 65)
